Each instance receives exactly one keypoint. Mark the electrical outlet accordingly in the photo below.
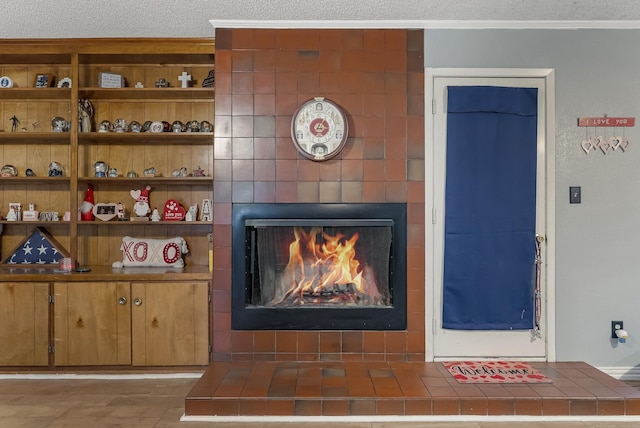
(616, 325)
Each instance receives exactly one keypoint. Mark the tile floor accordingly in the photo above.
(95, 403)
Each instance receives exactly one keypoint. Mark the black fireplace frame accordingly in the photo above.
(393, 317)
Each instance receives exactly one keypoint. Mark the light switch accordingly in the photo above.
(575, 195)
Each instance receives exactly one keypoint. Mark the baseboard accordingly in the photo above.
(622, 373)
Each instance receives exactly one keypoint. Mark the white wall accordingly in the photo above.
(598, 241)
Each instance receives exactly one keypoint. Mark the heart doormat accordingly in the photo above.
(494, 372)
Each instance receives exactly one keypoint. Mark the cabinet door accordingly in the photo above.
(92, 323)
(170, 323)
(24, 323)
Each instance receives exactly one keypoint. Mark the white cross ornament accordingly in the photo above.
(185, 79)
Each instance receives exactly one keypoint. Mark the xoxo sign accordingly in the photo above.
(153, 252)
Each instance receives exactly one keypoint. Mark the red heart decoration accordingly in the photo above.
(173, 211)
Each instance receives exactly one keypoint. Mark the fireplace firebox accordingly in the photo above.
(319, 267)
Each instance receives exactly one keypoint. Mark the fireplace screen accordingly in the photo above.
(319, 266)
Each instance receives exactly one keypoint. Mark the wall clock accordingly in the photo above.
(319, 129)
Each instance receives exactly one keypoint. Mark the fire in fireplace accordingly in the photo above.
(319, 266)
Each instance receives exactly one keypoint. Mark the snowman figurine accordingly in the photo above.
(141, 207)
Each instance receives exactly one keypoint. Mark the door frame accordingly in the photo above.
(432, 217)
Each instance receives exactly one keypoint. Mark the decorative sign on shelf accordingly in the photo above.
(604, 142)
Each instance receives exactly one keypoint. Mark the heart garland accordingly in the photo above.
(611, 143)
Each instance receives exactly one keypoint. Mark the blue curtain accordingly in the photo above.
(490, 203)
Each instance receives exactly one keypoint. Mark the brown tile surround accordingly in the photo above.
(400, 388)
(262, 76)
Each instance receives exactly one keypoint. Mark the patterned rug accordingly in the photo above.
(494, 372)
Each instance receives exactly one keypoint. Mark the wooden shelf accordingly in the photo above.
(149, 94)
(36, 94)
(35, 180)
(34, 137)
(36, 223)
(145, 138)
(20, 273)
(146, 180)
(142, 223)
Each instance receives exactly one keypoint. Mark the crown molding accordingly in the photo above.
(425, 24)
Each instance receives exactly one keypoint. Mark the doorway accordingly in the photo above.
(451, 336)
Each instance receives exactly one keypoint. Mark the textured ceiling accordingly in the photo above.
(190, 18)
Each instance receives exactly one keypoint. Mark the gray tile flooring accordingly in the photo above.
(94, 403)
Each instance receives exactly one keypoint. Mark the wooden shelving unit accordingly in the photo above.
(96, 244)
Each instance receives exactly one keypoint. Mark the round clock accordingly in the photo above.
(319, 129)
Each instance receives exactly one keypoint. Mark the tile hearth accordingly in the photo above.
(400, 388)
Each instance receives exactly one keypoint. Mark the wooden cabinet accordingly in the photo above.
(170, 323)
(93, 321)
(92, 324)
(24, 323)
(131, 323)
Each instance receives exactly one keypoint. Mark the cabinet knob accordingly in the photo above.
(122, 300)
(137, 301)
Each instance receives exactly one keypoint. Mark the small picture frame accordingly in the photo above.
(42, 81)
(110, 80)
(17, 208)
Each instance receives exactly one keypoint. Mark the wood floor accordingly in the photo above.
(93, 403)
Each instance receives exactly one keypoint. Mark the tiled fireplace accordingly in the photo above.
(377, 77)
(319, 267)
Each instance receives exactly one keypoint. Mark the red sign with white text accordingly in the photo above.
(606, 121)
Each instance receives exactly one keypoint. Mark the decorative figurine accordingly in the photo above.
(105, 126)
(150, 172)
(185, 79)
(85, 109)
(209, 81)
(206, 126)
(29, 173)
(162, 83)
(192, 213)
(65, 82)
(86, 208)
(55, 169)
(155, 215)
(100, 169)
(12, 215)
(14, 123)
(6, 82)
(141, 207)
(119, 125)
(139, 85)
(132, 174)
(205, 213)
(113, 173)
(135, 127)
(8, 171)
(193, 126)
(59, 124)
(173, 211)
(198, 172)
(178, 126)
(31, 214)
(120, 211)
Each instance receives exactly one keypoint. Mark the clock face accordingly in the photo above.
(319, 129)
